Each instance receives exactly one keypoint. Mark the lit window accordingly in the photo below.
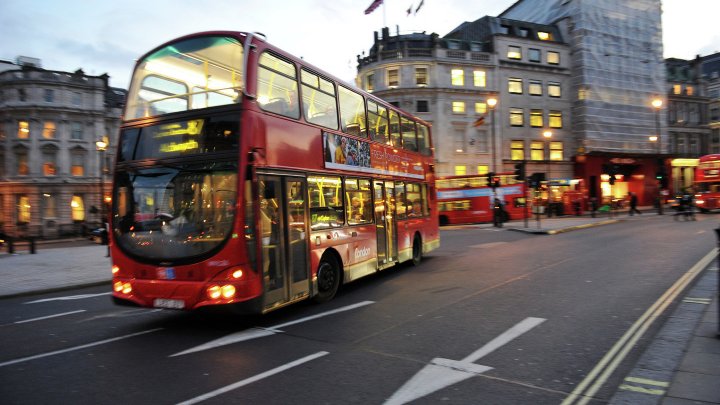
(516, 117)
(677, 89)
(460, 170)
(393, 77)
(421, 78)
(689, 90)
(555, 119)
(78, 164)
(49, 165)
(536, 118)
(483, 169)
(480, 108)
(479, 78)
(23, 209)
(556, 150)
(514, 52)
(535, 88)
(458, 107)
(49, 208)
(49, 130)
(544, 36)
(553, 57)
(77, 208)
(457, 77)
(537, 150)
(517, 150)
(515, 86)
(554, 89)
(23, 130)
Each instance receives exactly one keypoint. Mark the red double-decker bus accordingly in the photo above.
(246, 177)
(707, 183)
(469, 199)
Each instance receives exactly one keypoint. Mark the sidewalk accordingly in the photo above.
(681, 365)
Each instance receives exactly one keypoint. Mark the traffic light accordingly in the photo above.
(520, 171)
(490, 179)
(612, 179)
(536, 179)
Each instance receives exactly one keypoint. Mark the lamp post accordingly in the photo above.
(492, 102)
(657, 105)
(547, 134)
(101, 146)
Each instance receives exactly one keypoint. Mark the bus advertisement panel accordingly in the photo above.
(252, 180)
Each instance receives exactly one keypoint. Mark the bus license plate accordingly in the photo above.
(170, 304)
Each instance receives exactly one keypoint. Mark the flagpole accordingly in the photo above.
(384, 22)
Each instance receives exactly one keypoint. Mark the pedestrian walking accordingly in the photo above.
(633, 203)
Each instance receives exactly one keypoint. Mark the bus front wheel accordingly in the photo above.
(416, 251)
(328, 279)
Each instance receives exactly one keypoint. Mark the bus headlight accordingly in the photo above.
(125, 288)
(226, 291)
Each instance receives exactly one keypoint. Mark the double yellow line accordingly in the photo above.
(585, 391)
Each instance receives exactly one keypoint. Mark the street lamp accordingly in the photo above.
(547, 134)
(101, 146)
(492, 102)
(657, 105)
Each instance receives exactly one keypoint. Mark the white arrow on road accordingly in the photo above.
(441, 373)
(254, 333)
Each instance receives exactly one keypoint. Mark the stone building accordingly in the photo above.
(53, 168)
(449, 81)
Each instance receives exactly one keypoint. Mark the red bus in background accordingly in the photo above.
(707, 183)
(468, 199)
(248, 178)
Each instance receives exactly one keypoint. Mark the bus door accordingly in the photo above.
(384, 192)
(283, 230)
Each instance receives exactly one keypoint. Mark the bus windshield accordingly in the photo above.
(173, 212)
(186, 75)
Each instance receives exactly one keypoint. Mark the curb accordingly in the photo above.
(562, 230)
(57, 289)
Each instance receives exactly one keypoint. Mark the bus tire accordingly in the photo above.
(443, 220)
(416, 251)
(328, 279)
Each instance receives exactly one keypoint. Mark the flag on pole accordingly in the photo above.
(419, 5)
(478, 122)
(375, 4)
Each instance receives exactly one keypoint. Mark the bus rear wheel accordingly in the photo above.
(416, 251)
(328, 279)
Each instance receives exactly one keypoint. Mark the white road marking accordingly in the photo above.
(584, 392)
(50, 316)
(441, 373)
(253, 379)
(254, 333)
(71, 349)
(69, 298)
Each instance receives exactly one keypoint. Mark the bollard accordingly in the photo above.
(11, 246)
(31, 240)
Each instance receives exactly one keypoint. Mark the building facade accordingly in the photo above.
(57, 136)
(452, 82)
(617, 72)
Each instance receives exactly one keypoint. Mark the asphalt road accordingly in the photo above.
(493, 317)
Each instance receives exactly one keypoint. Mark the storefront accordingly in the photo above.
(611, 177)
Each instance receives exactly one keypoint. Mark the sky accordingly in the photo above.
(109, 36)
